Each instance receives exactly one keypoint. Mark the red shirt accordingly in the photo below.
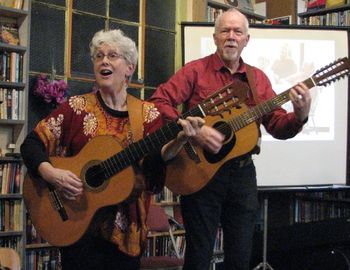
(200, 78)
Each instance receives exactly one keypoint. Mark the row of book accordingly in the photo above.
(10, 215)
(9, 31)
(213, 13)
(162, 246)
(10, 177)
(166, 196)
(43, 259)
(12, 104)
(341, 18)
(13, 242)
(11, 67)
(308, 210)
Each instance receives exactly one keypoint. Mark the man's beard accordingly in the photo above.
(230, 56)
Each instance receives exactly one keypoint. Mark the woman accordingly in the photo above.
(118, 233)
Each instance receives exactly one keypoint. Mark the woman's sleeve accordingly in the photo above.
(33, 152)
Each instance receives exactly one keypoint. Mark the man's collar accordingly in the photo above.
(219, 64)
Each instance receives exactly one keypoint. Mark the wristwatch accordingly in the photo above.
(232, 2)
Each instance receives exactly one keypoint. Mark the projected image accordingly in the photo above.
(287, 62)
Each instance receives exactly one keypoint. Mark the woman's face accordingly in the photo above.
(111, 68)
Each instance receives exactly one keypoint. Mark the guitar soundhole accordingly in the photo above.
(224, 129)
(95, 177)
(230, 140)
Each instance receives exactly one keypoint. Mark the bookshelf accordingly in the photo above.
(301, 225)
(157, 243)
(14, 50)
(335, 16)
(207, 11)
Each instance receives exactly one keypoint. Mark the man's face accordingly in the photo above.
(231, 36)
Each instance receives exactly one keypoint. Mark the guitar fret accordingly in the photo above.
(160, 137)
(240, 121)
(121, 160)
(260, 110)
(150, 142)
(134, 154)
(248, 118)
(128, 155)
(168, 132)
(116, 164)
(234, 124)
(144, 146)
(165, 136)
(137, 150)
(174, 129)
(108, 168)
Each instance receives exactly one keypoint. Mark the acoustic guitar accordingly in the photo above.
(191, 170)
(107, 174)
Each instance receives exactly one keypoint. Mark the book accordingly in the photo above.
(334, 3)
(13, 66)
(9, 31)
(315, 4)
(285, 20)
(9, 103)
(18, 4)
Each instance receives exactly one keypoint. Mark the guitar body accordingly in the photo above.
(38, 201)
(185, 176)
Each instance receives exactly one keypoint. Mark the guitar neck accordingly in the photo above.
(149, 144)
(263, 108)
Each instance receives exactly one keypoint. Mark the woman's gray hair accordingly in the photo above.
(116, 37)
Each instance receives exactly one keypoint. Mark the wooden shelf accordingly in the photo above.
(12, 12)
(11, 233)
(14, 196)
(157, 234)
(9, 160)
(11, 122)
(12, 85)
(39, 246)
(13, 48)
(167, 203)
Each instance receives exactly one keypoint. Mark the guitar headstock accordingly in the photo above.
(225, 98)
(332, 72)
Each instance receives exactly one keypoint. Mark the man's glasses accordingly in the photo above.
(112, 56)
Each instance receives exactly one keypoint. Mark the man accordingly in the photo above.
(230, 198)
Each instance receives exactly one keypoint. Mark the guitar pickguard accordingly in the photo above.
(230, 141)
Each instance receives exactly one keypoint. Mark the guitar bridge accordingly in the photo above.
(57, 204)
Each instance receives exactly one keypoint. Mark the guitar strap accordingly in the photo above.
(251, 82)
(135, 117)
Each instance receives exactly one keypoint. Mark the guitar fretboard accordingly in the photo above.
(263, 108)
(149, 144)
